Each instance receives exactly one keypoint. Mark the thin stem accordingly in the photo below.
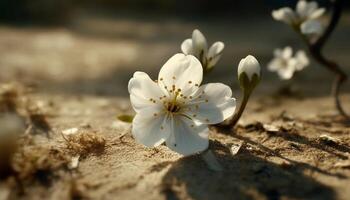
(335, 92)
(316, 47)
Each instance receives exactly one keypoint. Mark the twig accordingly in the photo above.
(315, 48)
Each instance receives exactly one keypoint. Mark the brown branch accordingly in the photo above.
(316, 47)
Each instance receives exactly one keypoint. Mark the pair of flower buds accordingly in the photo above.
(175, 108)
(248, 68)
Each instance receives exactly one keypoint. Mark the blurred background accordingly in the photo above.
(93, 46)
(55, 11)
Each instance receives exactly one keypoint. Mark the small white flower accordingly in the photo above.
(175, 109)
(301, 17)
(285, 64)
(70, 131)
(197, 46)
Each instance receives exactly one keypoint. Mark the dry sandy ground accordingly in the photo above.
(80, 74)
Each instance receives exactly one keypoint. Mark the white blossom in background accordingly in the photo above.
(305, 17)
(175, 109)
(198, 46)
(285, 64)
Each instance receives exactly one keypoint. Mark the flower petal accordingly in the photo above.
(277, 53)
(214, 53)
(288, 70)
(150, 127)
(216, 49)
(188, 138)
(275, 64)
(285, 15)
(301, 8)
(200, 45)
(311, 27)
(287, 52)
(286, 74)
(250, 66)
(305, 9)
(301, 60)
(142, 89)
(317, 13)
(187, 47)
(211, 104)
(185, 72)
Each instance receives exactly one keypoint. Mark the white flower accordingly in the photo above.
(305, 12)
(285, 64)
(175, 109)
(198, 47)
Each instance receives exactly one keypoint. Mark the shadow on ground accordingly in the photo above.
(245, 176)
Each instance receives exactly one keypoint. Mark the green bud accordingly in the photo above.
(249, 73)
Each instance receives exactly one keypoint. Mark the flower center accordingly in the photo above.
(284, 63)
(172, 107)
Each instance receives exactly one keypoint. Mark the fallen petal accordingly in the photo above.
(70, 131)
(74, 162)
(235, 148)
(343, 164)
(328, 139)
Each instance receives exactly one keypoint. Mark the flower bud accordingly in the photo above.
(200, 45)
(249, 73)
